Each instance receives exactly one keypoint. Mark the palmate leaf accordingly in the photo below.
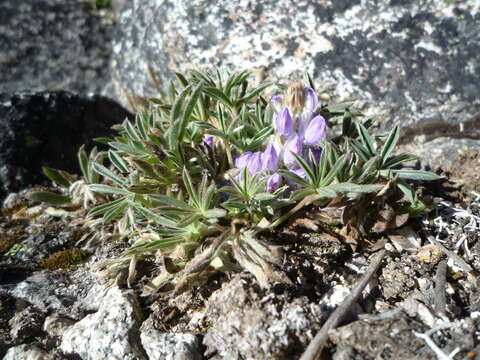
(150, 215)
(107, 189)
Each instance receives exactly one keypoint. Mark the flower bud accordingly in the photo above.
(273, 182)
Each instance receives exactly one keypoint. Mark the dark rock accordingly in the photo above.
(413, 61)
(37, 247)
(54, 45)
(26, 324)
(46, 129)
(46, 290)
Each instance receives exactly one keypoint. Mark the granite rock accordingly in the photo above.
(26, 352)
(110, 333)
(170, 346)
(54, 45)
(46, 129)
(26, 323)
(413, 62)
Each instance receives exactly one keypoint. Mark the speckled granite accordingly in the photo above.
(412, 61)
(53, 45)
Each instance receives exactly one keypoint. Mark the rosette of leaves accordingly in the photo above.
(180, 204)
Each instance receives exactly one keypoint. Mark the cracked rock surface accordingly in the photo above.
(413, 62)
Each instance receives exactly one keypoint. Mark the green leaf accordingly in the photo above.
(360, 150)
(390, 143)
(48, 197)
(407, 190)
(115, 212)
(177, 106)
(351, 187)
(254, 93)
(214, 213)
(131, 130)
(56, 176)
(413, 174)
(107, 189)
(218, 94)
(102, 170)
(181, 79)
(189, 109)
(333, 171)
(100, 209)
(187, 180)
(129, 149)
(158, 219)
(170, 201)
(83, 161)
(397, 160)
(367, 140)
(118, 161)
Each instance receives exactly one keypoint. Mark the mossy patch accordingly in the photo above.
(64, 259)
(7, 242)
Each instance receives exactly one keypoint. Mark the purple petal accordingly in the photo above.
(270, 158)
(284, 122)
(273, 182)
(254, 164)
(276, 103)
(317, 153)
(209, 140)
(242, 160)
(311, 102)
(293, 145)
(315, 131)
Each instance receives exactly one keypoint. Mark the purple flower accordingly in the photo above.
(315, 131)
(284, 122)
(241, 161)
(311, 102)
(208, 140)
(270, 158)
(254, 164)
(273, 182)
(292, 146)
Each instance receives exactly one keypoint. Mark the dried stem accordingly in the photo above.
(315, 348)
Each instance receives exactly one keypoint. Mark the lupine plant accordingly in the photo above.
(202, 176)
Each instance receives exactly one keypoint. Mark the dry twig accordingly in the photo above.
(315, 348)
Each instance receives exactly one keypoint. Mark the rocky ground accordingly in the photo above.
(423, 303)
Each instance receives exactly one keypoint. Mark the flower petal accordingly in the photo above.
(254, 163)
(315, 131)
(209, 140)
(273, 182)
(270, 158)
(242, 160)
(293, 145)
(311, 102)
(284, 122)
